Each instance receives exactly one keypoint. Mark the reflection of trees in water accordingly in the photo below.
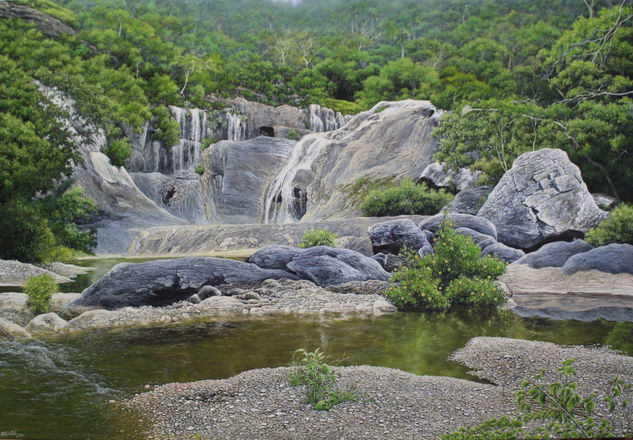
(621, 337)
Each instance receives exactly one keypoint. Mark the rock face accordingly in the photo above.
(554, 254)
(475, 223)
(540, 198)
(236, 176)
(49, 26)
(162, 282)
(392, 139)
(613, 258)
(322, 265)
(470, 200)
(392, 236)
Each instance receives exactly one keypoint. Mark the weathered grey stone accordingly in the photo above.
(470, 200)
(389, 262)
(540, 198)
(438, 176)
(362, 245)
(208, 291)
(10, 331)
(392, 236)
(503, 252)
(15, 273)
(322, 265)
(475, 223)
(163, 282)
(237, 174)
(369, 287)
(604, 201)
(46, 323)
(554, 254)
(615, 258)
(481, 240)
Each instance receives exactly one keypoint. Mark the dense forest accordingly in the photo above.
(518, 75)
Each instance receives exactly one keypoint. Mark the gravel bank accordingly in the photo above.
(260, 404)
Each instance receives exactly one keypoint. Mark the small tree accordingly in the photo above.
(39, 290)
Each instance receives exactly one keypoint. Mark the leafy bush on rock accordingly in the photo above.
(318, 237)
(455, 274)
(617, 228)
(39, 290)
(406, 199)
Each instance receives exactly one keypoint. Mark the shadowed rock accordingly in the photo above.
(392, 236)
(322, 265)
(554, 254)
(163, 282)
(478, 224)
(470, 200)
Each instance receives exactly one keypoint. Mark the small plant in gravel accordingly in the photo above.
(319, 379)
(556, 410)
(39, 290)
(455, 274)
(318, 237)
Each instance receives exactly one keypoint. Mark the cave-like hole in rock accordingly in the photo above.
(267, 131)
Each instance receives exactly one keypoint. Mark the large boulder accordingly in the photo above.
(554, 254)
(475, 223)
(322, 265)
(163, 282)
(540, 198)
(392, 236)
(470, 200)
(613, 258)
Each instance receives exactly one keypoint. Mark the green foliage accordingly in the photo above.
(617, 228)
(319, 380)
(345, 107)
(207, 142)
(454, 275)
(39, 290)
(293, 134)
(200, 169)
(560, 410)
(408, 198)
(118, 151)
(318, 237)
(358, 190)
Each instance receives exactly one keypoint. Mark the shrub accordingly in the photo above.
(560, 409)
(293, 134)
(408, 198)
(39, 290)
(455, 274)
(318, 237)
(200, 169)
(207, 142)
(617, 228)
(118, 151)
(320, 381)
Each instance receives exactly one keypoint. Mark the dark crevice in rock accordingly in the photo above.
(569, 235)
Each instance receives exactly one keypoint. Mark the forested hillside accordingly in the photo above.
(519, 75)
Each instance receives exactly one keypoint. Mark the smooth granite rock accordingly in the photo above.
(554, 254)
(503, 252)
(615, 258)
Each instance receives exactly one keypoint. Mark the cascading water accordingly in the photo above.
(236, 130)
(284, 199)
(188, 153)
(324, 119)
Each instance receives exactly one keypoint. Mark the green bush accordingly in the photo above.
(293, 134)
(559, 410)
(617, 228)
(39, 290)
(318, 237)
(118, 151)
(455, 274)
(408, 198)
(320, 381)
(207, 142)
(200, 169)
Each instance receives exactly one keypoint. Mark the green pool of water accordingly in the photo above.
(59, 389)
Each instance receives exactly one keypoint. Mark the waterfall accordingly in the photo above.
(235, 131)
(283, 196)
(188, 153)
(324, 119)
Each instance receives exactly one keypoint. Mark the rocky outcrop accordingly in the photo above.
(179, 193)
(470, 200)
(206, 239)
(392, 236)
(163, 282)
(392, 139)
(322, 265)
(49, 26)
(15, 273)
(236, 176)
(613, 258)
(542, 197)
(554, 254)
(437, 176)
(475, 223)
